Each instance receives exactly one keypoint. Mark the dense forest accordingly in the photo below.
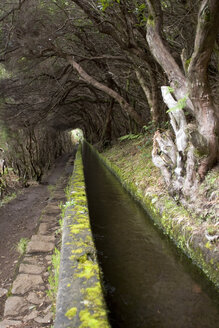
(111, 68)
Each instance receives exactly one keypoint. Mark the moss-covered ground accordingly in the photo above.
(189, 227)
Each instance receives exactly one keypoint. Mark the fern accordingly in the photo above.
(180, 104)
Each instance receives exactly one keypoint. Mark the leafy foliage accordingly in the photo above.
(180, 104)
(104, 4)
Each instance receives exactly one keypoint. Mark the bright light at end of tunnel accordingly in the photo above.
(77, 135)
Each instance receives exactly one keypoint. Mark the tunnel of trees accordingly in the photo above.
(112, 67)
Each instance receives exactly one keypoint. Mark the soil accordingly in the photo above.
(19, 219)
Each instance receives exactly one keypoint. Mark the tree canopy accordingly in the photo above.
(110, 67)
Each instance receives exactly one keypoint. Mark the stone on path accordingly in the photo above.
(43, 229)
(40, 247)
(48, 219)
(34, 298)
(30, 269)
(25, 282)
(31, 316)
(52, 209)
(29, 259)
(9, 323)
(41, 244)
(3, 292)
(45, 239)
(58, 196)
(15, 306)
(47, 319)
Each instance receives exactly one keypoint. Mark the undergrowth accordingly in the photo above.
(54, 278)
(22, 245)
(9, 186)
(131, 160)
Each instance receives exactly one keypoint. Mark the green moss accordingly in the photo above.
(94, 295)
(88, 320)
(77, 251)
(71, 313)
(208, 245)
(87, 269)
(95, 315)
(150, 20)
(77, 228)
(83, 255)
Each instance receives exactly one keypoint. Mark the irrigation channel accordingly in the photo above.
(148, 282)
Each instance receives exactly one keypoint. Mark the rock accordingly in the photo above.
(3, 292)
(34, 299)
(25, 282)
(52, 209)
(15, 306)
(40, 247)
(9, 323)
(47, 309)
(47, 319)
(47, 219)
(43, 229)
(31, 269)
(58, 196)
(30, 259)
(31, 316)
(40, 243)
(45, 239)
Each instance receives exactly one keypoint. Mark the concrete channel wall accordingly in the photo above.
(80, 302)
(194, 246)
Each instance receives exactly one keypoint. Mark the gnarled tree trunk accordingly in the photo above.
(193, 149)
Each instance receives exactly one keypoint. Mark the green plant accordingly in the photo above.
(51, 189)
(181, 103)
(104, 4)
(22, 245)
(149, 129)
(59, 230)
(54, 277)
(9, 197)
(170, 90)
(129, 136)
(211, 178)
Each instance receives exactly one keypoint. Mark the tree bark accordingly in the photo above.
(197, 143)
(205, 109)
(151, 96)
(106, 133)
(161, 52)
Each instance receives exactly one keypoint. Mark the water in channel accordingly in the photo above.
(148, 282)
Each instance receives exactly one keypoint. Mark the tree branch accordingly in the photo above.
(206, 35)
(90, 80)
(12, 10)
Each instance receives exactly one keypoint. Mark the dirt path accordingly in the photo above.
(19, 219)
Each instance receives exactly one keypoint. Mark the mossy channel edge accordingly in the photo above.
(179, 233)
(80, 301)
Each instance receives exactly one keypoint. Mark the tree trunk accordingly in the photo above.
(196, 144)
(200, 93)
(151, 96)
(106, 133)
